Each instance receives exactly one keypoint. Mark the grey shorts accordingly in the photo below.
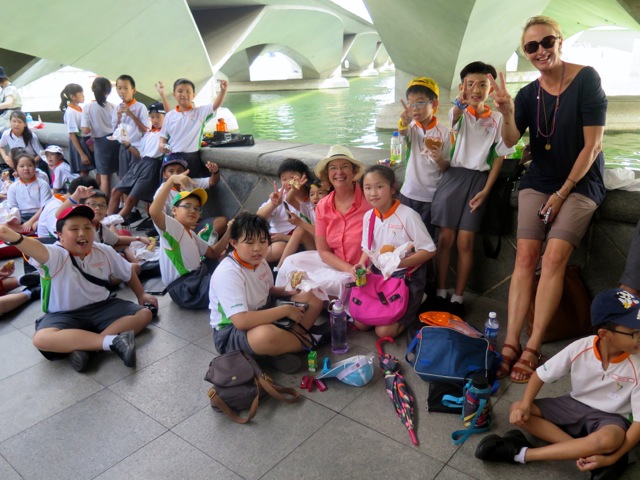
(450, 207)
(570, 224)
(230, 338)
(576, 418)
(95, 318)
(106, 153)
(424, 210)
(142, 179)
(631, 275)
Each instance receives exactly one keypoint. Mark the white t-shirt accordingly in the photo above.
(140, 111)
(28, 197)
(401, 224)
(106, 235)
(615, 390)
(180, 250)
(47, 220)
(98, 119)
(278, 220)
(475, 137)
(235, 289)
(422, 173)
(10, 140)
(202, 182)
(183, 130)
(60, 174)
(69, 289)
(150, 145)
(73, 119)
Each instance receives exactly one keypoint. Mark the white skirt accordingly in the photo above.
(329, 281)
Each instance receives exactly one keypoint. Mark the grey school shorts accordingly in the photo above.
(570, 224)
(576, 418)
(450, 207)
(230, 338)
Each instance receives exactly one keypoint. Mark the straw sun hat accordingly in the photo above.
(337, 152)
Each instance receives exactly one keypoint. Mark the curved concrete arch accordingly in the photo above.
(362, 50)
(313, 36)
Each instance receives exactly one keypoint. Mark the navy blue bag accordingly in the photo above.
(441, 354)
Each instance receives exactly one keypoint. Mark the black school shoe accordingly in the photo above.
(80, 360)
(495, 448)
(612, 472)
(458, 309)
(30, 280)
(124, 345)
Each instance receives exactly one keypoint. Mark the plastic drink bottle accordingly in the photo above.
(338, 321)
(396, 149)
(476, 389)
(29, 118)
(491, 327)
(221, 126)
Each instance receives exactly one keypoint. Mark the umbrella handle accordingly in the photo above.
(380, 342)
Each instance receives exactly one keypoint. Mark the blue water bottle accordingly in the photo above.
(491, 327)
(29, 118)
(338, 321)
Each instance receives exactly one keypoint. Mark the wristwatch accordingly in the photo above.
(17, 242)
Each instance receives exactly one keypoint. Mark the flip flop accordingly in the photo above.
(530, 364)
(507, 361)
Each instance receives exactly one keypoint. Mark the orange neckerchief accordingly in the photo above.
(484, 114)
(182, 111)
(242, 262)
(77, 108)
(389, 212)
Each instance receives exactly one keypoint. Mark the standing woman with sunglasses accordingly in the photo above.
(564, 111)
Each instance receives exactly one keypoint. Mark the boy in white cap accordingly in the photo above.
(61, 175)
(598, 422)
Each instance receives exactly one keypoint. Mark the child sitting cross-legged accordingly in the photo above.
(598, 422)
(243, 312)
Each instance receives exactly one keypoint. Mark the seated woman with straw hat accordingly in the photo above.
(338, 229)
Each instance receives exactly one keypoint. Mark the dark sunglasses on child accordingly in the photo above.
(547, 42)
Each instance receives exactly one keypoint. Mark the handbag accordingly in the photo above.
(442, 354)
(573, 316)
(238, 384)
(379, 301)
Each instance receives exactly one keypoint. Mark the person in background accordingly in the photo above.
(80, 156)
(9, 99)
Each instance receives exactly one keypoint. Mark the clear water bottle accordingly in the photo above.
(491, 327)
(396, 149)
(29, 118)
(338, 321)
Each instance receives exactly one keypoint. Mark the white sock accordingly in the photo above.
(27, 293)
(107, 341)
(457, 298)
(441, 292)
(520, 456)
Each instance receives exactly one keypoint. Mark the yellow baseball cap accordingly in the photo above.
(198, 193)
(429, 83)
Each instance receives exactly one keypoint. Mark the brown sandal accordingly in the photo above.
(530, 364)
(507, 361)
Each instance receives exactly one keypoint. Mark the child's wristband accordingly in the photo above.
(72, 201)
(461, 106)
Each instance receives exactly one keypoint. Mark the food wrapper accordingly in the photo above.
(140, 252)
(112, 220)
(9, 214)
(388, 262)
(120, 134)
(305, 285)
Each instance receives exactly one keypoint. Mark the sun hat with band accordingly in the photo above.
(356, 371)
(197, 192)
(616, 306)
(338, 152)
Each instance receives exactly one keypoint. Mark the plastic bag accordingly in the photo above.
(388, 262)
(142, 254)
(121, 134)
(112, 220)
(621, 179)
(9, 214)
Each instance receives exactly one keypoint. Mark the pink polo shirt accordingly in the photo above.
(343, 233)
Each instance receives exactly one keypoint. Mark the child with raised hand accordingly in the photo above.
(305, 229)
(182, 129)
(96, 121)
(428, 143)
(80, 317)
(28, 194)
(394, 224)
(598, 422)
(132, 114)
(60, 169)
(18, 136)
(292, 197)
(174, 165)
(81, 158)
(183, 272)
(459, 202)
(242, 313)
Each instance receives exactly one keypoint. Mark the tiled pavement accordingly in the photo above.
(155, 422)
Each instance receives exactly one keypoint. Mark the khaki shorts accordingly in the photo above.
(570, 224)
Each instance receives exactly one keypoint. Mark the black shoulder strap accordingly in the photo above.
(95, 280)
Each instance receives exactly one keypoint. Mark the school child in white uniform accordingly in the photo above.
(182, 128)
(28, 194)
(61, 175)
(18, 136)
(80, 156)
(394, 224)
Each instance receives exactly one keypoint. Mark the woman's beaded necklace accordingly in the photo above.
(547, 134)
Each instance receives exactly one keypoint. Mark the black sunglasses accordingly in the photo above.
(547, 42)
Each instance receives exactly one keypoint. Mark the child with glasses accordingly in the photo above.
(183, 272)
(598, 422)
